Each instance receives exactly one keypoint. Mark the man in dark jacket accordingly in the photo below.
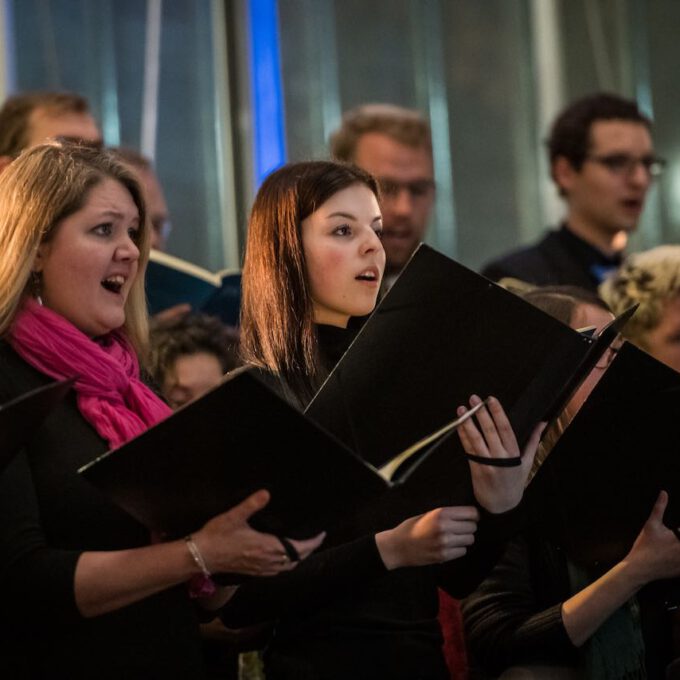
(602, 161)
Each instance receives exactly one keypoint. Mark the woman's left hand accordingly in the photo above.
(497, 489)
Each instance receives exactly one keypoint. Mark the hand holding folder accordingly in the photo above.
(500, 473)
(240, 437)
(594, 492)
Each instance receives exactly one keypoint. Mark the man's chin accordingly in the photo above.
(397, 258)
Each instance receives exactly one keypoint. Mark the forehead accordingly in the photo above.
(590, 315)
(111, 195)
(383, 156)
(356, 199)
(45, 123)
(611, 136)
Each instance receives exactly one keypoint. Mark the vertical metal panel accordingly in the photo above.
(152, 59)
(267, 101)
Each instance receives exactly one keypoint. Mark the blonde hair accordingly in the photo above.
(405, 126)
(46, 184)
(650, 279)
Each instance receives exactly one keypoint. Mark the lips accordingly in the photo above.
(371, 274)
(114, 283)
(633, 204)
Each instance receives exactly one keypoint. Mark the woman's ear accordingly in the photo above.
(39, 259)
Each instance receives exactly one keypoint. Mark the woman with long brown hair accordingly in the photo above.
(364, 609)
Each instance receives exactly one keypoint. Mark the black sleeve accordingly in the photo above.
(508, 622)
(316, 580)
(460, 577)
(38, 580)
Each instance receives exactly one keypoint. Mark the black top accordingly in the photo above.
(560, 258)
(341, 614)
(515, 616)
(49, 515)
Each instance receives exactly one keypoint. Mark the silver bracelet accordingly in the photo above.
(196, 555)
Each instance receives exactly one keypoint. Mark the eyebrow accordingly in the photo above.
(117, 214)
(349, 216)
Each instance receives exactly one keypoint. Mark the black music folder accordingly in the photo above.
(21, 417)
(440, 334)
(214, 452)
(598, 485)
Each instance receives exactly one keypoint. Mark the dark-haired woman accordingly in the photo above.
(367, 608)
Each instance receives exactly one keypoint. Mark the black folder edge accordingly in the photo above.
(379, 483)
(600, 345)
(604, 557)
(22, 416)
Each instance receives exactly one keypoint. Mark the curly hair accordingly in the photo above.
(650, 279)
(191, 334)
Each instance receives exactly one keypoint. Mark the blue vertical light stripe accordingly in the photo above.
(267, 102)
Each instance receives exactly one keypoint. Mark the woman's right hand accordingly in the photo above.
(229, 544)
(437, 536)
(656, 552)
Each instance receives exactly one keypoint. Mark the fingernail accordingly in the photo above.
(474, 400)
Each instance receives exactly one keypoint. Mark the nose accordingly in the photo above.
(400, 203)
(640, 176)
(371, 241)
(127, 249)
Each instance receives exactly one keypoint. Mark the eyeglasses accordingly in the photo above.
(624, 165)
(417, 189)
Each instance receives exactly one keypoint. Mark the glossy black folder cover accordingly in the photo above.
(214, 452)
(440, 334)
(21, 417)
(598, 485)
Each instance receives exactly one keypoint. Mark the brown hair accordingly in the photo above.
(46, 184)
(16, 112)
(191, 334)
(560, 302)
(406, 126)
(277, 322)
(570, 133)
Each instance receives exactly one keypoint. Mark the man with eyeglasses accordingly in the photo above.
(393, 144)
(603, 162)
(31, 118)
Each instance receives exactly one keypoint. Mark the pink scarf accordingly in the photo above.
(110, 395)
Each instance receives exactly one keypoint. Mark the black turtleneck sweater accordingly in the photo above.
(341, 614)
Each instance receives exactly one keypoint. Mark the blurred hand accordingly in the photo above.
(656, 552)
(229, 544)
(437, 536)
(497, 489)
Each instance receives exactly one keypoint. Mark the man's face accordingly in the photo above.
(406, 177)
(607, 194)
(45, 124)
(156, 207)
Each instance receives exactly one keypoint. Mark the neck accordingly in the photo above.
(606, 241)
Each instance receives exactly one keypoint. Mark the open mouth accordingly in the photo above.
(114, 284)
(633, 204)
(368, 275)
